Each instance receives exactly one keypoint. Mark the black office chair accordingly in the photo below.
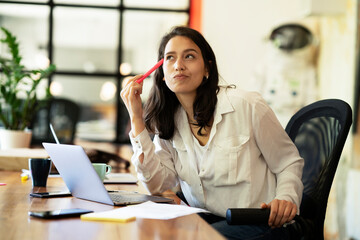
(63, 114)
(319, 131)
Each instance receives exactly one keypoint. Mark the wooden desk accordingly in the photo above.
(15, 223)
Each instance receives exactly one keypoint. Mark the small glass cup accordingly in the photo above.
(39, 171)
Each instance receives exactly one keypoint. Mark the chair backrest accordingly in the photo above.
(319, 131)
(63, 114)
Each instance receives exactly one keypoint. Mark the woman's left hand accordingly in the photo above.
(281, 211)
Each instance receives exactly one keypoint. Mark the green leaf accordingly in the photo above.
(20, 111)
(3, 91)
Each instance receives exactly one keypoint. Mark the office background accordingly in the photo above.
(96, 44)
(238, 41)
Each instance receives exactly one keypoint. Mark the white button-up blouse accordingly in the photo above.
(249, 158)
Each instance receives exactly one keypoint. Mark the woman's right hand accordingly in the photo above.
(130, 94)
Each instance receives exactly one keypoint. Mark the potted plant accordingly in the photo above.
(18, 95)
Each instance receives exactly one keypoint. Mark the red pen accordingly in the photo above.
(150, 71)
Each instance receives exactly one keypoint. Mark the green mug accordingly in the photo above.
(102, 169)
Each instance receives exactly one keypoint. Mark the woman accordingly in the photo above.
(224, 146)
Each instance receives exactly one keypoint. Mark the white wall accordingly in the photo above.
(236, 30)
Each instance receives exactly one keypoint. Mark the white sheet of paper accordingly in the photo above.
(150, 210)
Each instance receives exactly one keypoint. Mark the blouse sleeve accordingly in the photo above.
(157, 171)
(280, 153)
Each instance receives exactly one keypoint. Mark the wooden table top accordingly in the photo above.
(15, 223)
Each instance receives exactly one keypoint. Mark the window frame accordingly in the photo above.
(121, 8)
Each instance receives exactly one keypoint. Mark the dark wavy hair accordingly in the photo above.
(162, 104)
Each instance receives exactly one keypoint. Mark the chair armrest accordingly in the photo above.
(247, 216)
(250, 216)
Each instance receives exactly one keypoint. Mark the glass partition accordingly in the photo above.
(30, 26)
(142, 34)
(94, 44)
(89, 2)
(96, 98)
(85, 39)
(27, 1)
(172, 4)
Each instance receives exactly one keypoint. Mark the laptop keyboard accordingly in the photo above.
(126, 198)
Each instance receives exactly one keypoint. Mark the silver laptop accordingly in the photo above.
(83, 182)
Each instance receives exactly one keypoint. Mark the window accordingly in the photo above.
(94, 44)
